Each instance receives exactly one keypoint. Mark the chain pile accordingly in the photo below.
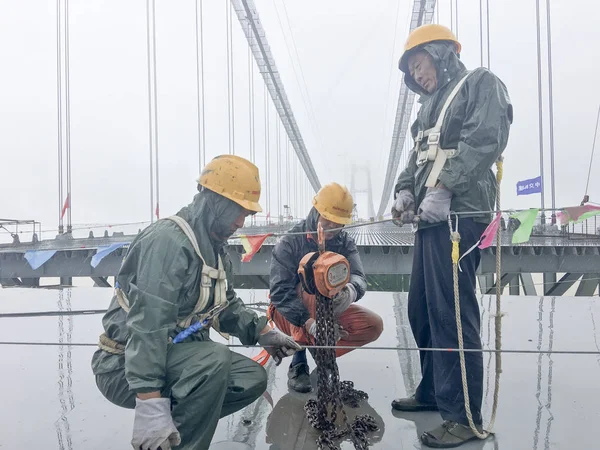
(333, 394)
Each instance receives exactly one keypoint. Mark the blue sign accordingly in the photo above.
(533, 186)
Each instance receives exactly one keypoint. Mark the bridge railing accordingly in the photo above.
(583, 229)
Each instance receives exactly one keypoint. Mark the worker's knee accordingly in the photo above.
(203, 371)
(220, 360)
(375, 327)
(257, 377)
(115, 389)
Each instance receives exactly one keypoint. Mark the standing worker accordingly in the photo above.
(176, 273)
(293, 310)
(461, 130)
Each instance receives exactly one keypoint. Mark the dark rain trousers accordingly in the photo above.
(433, 321)
(205, 381)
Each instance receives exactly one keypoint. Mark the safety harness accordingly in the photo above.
(207, 276)
(434, 152)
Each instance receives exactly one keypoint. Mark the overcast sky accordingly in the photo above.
(348, 56)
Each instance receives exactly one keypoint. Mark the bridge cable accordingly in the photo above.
(200, 85)
(59, 113)
(296, 209)
(456, 17)
(487, 11)
(310, 110)
(350, 347)
(587, 184)
(540, 106)
(68, 201)
(251, 105)
(157, 211)
(150, 139)
(452, 15)
(287, 174)
(550, 108)
(391, 72)
(267, 153)
(278, 159)
(481, 32)
(229, 78)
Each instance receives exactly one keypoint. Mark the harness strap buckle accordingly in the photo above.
(433, 138)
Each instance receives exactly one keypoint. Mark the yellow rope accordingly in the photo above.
(108, 345)
(455, 238)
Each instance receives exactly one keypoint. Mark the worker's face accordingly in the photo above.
(239, 222)
(423, 71)
(329, 225)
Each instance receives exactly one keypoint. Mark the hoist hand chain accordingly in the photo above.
(331, 393)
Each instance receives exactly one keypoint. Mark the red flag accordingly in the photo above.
(577, 213)
(67, 205)
(252, 244)
(487, 238)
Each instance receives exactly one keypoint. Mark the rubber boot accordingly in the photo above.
(411, 404)
(298, 374)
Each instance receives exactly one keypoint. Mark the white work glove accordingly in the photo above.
(435, 207)
(339, 332)
(343, 299)
(278, 345)
(153, 426)
(403, 210)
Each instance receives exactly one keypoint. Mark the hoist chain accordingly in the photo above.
(333, 394)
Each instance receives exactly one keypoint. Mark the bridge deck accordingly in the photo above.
(546, 401)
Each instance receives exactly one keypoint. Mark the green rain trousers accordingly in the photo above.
(161, 276)
(200, 376)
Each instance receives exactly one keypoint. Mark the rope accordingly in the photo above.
(110, 346)
(455, 238)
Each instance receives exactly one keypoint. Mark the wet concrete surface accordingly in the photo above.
(50, 400)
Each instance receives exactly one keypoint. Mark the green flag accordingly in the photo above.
(527, 219)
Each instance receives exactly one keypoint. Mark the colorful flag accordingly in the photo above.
(527, 219)
(532, 186)
(252, 244)
(577, 213)
(487, 238)
(67, 205)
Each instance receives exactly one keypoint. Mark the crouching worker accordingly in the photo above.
(174, 274)
(293, 310)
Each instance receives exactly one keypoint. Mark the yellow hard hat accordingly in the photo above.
(235, 178)
(334, 202)
(423, 35)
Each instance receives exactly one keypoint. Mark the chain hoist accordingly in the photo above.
(324, 274)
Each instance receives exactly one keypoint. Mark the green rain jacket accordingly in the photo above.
(477, 125)
(161, 277)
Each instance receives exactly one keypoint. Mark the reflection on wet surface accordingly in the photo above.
(547, 402)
